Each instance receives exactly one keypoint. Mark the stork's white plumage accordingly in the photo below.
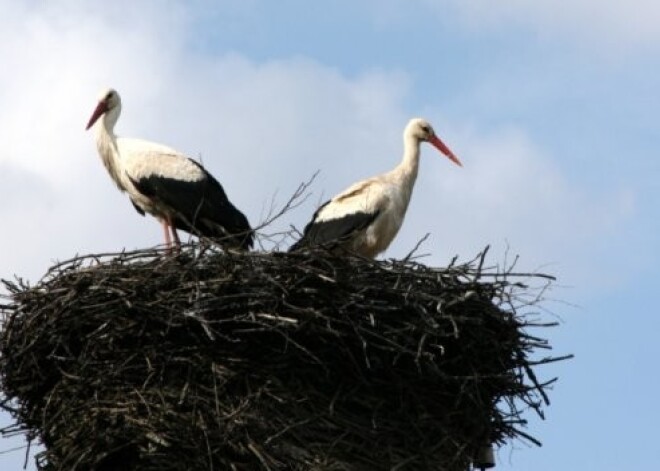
(365, 218)
(166, 184)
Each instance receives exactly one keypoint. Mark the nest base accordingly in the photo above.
(266, 361)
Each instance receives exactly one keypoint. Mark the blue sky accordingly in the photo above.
(551, 106)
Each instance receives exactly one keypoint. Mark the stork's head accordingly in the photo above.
(421, 130)
(109, 101)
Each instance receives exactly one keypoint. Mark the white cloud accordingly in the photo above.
(605, 24)
(260, 128)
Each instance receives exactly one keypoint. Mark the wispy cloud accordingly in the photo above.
(604, 25)
(600, 24)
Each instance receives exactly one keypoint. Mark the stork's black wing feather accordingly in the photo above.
(201, 207)
(332, 232)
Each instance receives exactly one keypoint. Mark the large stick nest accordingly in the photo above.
(213, 361)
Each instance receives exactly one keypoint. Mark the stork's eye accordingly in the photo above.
(426, 129)
(109, 95)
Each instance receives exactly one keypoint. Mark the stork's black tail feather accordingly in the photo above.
(217, 218)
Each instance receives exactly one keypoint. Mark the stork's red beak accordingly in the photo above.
(98, 112)
(438, 144)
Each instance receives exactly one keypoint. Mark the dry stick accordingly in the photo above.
(298, 197)
(409, 257)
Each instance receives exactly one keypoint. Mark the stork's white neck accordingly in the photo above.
(106, 143)
(406, 171)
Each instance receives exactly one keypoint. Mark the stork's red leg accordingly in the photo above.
(169, 228)
(177, 241)
(168, 241)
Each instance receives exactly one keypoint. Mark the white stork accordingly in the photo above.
(166, 184)
(365, 218)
